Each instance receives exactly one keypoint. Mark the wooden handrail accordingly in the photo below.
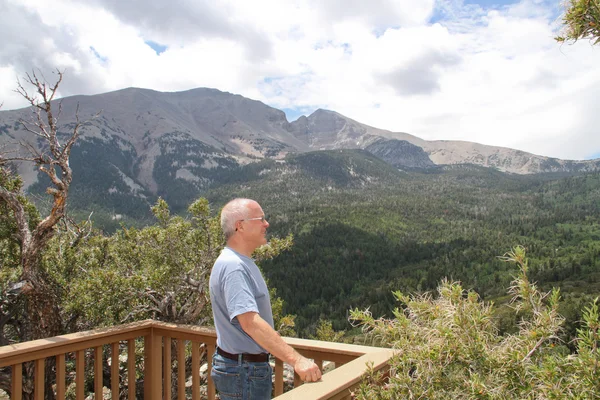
(28, 351)
(335, 384)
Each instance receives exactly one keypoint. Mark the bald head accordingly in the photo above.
(235, 210)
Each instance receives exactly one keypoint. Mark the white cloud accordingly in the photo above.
(437, 69)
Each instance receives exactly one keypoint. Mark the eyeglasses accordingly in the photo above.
(261, 219)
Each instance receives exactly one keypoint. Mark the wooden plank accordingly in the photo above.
(278, 377)
(17, 382)
(167, 368)
(152, 367)
(60, 376)
(131, 378)
(196, 335)
(79, 374)
(320, 346)
(195, 329)
(44, 348)
(180, 369)
(114, 371)
(212, 393)
(40, 372)
(98, 373)
(195, 371)
(336, 384)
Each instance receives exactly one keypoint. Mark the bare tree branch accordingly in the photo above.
(54, 162)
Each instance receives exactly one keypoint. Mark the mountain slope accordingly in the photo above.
(176, 145)
(363, 229)
(327, 130)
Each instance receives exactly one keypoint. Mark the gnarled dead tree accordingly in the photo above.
(42, 312)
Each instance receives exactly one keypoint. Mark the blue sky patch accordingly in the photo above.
(491, 3)
(439, 14)
(293, 114)
(98, 56)
(157, 47)
(347, 48)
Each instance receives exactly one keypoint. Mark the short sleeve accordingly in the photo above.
(238, 294)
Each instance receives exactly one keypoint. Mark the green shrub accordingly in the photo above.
(449, 347)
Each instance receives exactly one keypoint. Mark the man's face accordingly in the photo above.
(254, 226)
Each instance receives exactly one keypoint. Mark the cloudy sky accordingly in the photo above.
(486, 71)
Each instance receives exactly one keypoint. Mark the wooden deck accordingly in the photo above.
(159, 346)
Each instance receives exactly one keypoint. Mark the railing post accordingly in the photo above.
(152, 366)
(131, 373)
(17, 381)
(211, 348)
(180, 369)
(114, 371)
(278, 377)
(98, 373)
(319, 363)
(297, 380)
(79, 374)
(167, 364)
(195, 371)
(60, 376)
(40, 371)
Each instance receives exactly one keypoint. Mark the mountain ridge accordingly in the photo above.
(185, 140)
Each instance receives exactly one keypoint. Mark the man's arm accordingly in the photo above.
(267, 338)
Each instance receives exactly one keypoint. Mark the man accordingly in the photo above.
(242, 311)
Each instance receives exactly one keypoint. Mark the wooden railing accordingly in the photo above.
(159, 340)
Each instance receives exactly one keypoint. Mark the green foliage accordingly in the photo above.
(10, 252)
(101, 183)
(283, 323)
(367, 229)
(159, 271)
(181, 155)
(449, 346)
(362, 228)
(326, 332)
(581, 21)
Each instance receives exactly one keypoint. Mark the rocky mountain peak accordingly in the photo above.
(163, 139)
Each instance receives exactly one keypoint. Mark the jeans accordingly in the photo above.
(241, 379)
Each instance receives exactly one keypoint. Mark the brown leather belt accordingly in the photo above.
(262, 357)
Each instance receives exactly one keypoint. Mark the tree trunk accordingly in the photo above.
(43, 318)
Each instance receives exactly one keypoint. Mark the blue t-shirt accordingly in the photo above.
(237, 287)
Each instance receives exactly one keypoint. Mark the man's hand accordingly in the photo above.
(266, 337)
(307, 370)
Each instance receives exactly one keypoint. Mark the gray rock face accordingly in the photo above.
(328, 130)
(400, 153)
(196, 132)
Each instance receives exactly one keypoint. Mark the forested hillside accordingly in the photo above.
(363, 229)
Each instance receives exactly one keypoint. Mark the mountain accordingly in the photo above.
(147, 143)
(400, 153)
(326, 130)
(371, 210)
